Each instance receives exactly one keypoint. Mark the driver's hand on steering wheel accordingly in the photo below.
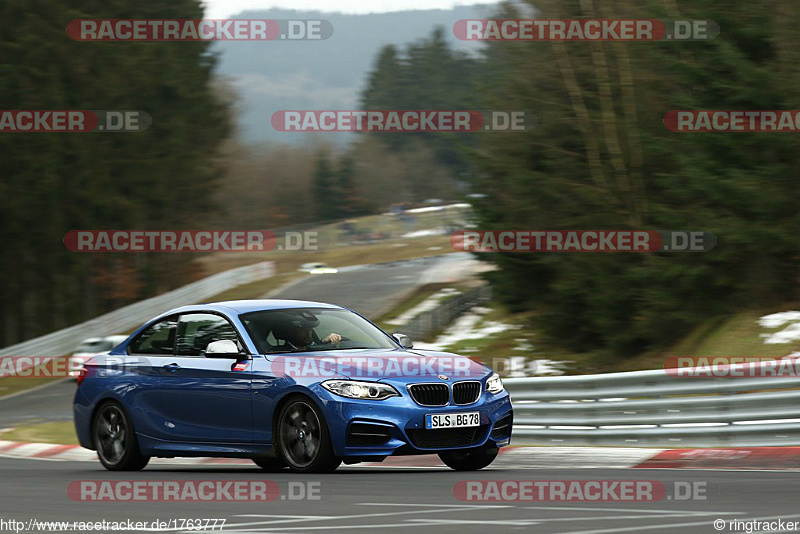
(333, 338)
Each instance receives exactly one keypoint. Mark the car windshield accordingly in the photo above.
(294, 330)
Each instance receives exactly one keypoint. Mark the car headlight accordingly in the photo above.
(353, 389)
(494, 384)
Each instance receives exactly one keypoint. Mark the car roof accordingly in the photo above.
(247, 306)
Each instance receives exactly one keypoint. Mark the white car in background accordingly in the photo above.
(317, 268)
(91, 347)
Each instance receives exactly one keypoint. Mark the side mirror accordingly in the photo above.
(403, 340)
(224, 348)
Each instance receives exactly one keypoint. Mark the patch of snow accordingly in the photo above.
(523, 344)
(776, 320)
(426, 232)
(466, 328)
(789, 334)
(472, 326)
(549, 367)
(428, 209)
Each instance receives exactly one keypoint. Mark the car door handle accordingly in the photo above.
(172, 367)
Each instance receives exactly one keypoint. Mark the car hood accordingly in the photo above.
(448, 367)
(395, 366)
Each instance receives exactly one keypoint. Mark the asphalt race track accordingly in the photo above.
(50, 403)
(405, 499)
(374, 289)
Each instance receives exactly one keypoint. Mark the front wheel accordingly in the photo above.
(303, 439)
(270, 464)
(469, 459)
(115, 440)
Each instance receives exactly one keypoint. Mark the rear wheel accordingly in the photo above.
(469, 459)
(303, 439)
(115, 440)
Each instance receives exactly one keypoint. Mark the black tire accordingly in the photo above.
(114, 439)
(270, 464)
(302, 438)
(469, 459)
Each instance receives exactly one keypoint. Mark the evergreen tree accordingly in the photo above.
(351, 204)
(324, 189)
(52, 183)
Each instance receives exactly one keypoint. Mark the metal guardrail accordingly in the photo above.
(65, 341)
(656, 408)
(433, 320)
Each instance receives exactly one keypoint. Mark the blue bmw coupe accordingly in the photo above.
(289, 384)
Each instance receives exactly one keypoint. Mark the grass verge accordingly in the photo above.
(59, 432)
(737, 335)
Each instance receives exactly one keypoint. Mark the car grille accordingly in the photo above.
(446, 437)
(466, 392)
(502, 428)
(430, 394)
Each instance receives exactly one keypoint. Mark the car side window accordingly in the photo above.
(155, 339)
(197, 330)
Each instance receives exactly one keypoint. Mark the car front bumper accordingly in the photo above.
(396, 426)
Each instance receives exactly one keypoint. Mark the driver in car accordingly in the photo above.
(298, 334)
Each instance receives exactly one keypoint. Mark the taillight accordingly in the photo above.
(81, 374)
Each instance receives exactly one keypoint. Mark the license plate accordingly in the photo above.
(452, 420)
